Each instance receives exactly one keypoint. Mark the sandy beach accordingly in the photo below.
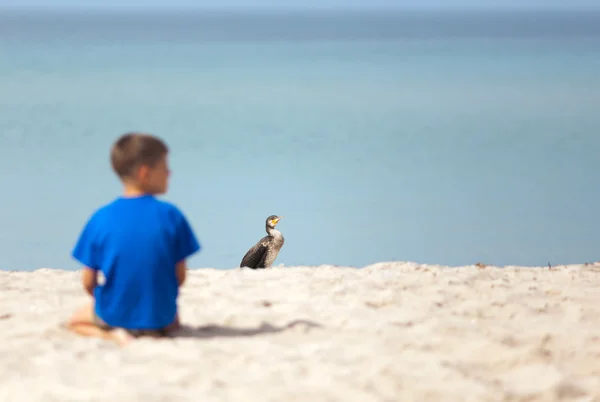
(386, 332)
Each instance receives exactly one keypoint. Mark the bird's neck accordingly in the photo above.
(273, 232)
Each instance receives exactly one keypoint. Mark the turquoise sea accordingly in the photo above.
(438, 137)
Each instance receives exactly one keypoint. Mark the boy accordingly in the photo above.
(140, 244)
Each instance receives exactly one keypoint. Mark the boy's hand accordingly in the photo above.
(89, 278)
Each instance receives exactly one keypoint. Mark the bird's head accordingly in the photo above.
(273, 220)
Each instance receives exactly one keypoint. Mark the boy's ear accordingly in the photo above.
(142, 172)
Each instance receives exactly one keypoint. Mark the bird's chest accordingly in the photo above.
(278, 241)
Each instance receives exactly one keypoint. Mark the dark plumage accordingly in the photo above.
(263, 253)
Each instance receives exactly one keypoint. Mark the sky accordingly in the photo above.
(295, 3)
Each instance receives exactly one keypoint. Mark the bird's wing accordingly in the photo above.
(254, 255)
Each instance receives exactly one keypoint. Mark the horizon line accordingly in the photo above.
(158, 7)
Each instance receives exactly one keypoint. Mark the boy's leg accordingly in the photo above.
(82, 323)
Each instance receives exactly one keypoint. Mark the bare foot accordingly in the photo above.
(120, 336)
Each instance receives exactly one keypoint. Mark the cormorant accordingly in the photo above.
(263, 253)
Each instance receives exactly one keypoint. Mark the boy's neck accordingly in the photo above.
(132, 191)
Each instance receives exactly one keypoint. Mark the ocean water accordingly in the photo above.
(437, 137)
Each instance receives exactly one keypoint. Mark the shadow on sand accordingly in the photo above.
(214, 331)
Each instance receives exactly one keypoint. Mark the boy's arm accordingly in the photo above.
(186, 245)
(89, 278)
(86, 252)
(180, 272)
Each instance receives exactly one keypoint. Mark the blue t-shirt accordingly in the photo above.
(136, 243)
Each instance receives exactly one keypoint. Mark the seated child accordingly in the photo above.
(140, 245)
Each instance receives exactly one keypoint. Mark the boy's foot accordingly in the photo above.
(120, 336)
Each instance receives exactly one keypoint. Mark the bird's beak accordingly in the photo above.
(278, 219)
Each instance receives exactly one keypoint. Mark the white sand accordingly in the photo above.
(388, 332)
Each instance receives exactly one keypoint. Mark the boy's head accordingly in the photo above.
(140, 160)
